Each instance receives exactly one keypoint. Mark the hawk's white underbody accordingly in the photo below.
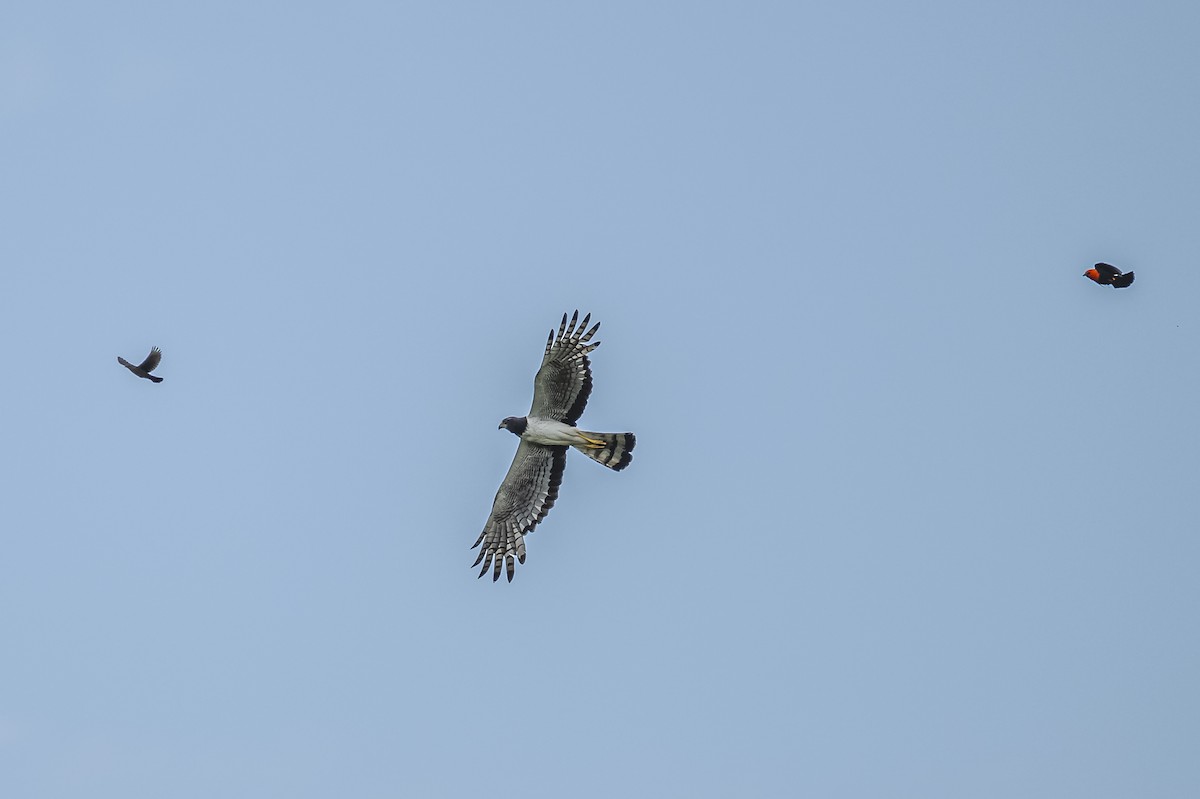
(552, 433)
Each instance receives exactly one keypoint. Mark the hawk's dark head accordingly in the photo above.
(515, 424)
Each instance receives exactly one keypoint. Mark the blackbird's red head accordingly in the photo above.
(1092, 274)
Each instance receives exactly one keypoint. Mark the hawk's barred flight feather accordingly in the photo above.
(563, 384)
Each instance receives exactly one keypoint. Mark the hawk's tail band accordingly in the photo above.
(616, 453)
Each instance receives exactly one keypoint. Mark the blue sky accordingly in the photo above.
(913, 510)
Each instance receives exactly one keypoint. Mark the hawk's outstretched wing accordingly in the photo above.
(562, 385)
(524, 498)
(151, 361)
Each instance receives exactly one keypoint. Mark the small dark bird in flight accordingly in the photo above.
(147, 366)
(1109, 275)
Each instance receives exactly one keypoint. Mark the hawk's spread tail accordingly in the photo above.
(616, 453)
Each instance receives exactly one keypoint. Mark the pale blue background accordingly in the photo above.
(915, 506)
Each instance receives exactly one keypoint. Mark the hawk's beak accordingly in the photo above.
(501, 427)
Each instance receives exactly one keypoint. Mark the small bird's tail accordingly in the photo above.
(616, 453)
(1123, 281)
(155, 379)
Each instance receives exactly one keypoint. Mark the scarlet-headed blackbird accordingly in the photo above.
(1109, 275)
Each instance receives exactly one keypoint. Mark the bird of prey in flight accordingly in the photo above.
(1109, 275)
(560, 392)
(147, 366)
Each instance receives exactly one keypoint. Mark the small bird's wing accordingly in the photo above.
(563, 383)
(1108, 270)
(151, 361)
(524, 498)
